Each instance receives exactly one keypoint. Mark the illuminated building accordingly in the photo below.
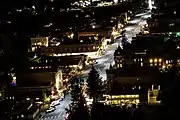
(130, 85)
(164, 22)
(38, 42)
(119, 57)
(148, 50)
(94, 33)
(46, 76)
(50, 73)
(125, 17)
(67, 50)
(69, 64)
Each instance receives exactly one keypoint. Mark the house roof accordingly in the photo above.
(55, 62)
(36, 79)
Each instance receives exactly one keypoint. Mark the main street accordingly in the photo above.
(103, 63)
(59, 113)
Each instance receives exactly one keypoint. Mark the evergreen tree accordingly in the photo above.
(81, 112)
(94, 84)
(75, 89)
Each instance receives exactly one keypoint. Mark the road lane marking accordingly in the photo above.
(63, 110)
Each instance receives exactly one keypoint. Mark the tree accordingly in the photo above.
(170, 91)
(75, 89)
(81, 112)
(78, 110)
(44, 96)
(94, 84)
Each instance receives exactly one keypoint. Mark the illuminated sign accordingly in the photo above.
(13, 83)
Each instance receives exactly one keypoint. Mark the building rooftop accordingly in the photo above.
(51, 63)
(36, 78)
(133, 71)
(118, 89)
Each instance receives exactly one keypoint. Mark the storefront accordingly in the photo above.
(122, 99)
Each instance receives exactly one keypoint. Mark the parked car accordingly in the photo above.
(51, 109)
(61, 99)
(55, 103)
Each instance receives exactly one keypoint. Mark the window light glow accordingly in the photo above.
(150, 60)
(160, 60)
(155, 60)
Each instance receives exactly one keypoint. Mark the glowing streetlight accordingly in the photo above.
(80, 67)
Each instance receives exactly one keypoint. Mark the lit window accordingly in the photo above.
(121, 65)
(118, 65)
(166, 61)
(141, 64)
(27, 98)
(22, 116)
(155, 64)
(160, 64)
(155, 60)
(160, 60)
(141, 59)
(150, 60)
(151, 64)
(134, 60)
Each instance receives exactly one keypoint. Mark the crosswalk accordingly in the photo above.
(50, 117)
